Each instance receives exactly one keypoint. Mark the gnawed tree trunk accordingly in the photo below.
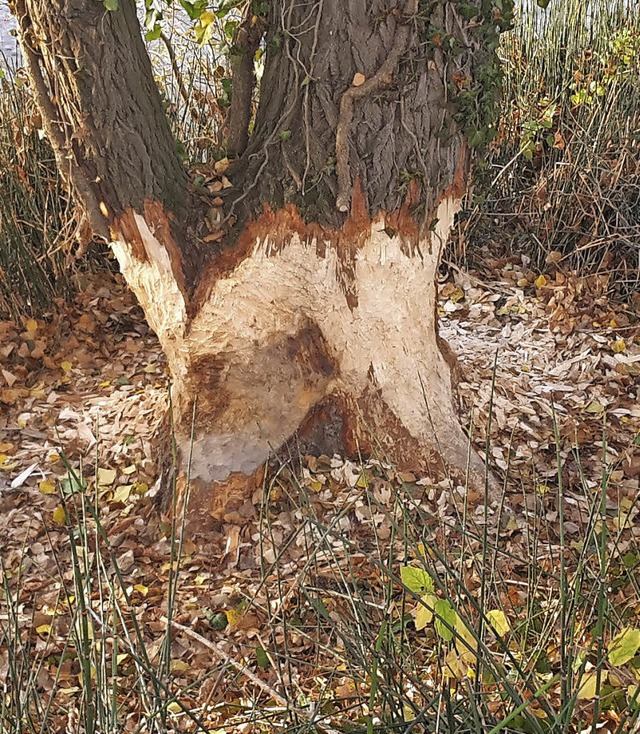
(312, 322)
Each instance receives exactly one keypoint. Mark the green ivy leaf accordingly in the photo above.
(111, 5)
(154, 33)
(194, 9)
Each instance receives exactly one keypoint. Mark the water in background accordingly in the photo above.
(8, 43)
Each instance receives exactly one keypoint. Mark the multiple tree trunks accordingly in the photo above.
(311, 326)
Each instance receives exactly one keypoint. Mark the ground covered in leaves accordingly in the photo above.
(298, 619)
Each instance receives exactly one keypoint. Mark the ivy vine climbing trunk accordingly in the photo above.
(307, 320)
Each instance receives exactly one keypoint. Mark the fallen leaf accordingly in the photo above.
(624, 646)
(618, 346)
(60, 515)
(424, 611)
(9, 378)
(498, 620)
(589, 684)
(46, 486)
(594, 407)
(106, 477)
(221, 166)
(122, 493)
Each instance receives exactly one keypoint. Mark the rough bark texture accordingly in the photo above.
(246, 43)
(312, 325)
(92, 76)
(395, 125)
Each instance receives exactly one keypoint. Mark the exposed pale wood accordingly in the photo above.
(305, 323)
(279, 334)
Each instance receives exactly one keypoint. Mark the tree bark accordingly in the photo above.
(311, 323)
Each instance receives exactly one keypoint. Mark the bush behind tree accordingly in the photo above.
(564, 174)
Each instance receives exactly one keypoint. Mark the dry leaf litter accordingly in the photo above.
(85, 389)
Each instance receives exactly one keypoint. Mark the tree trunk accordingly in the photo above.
(310, 324)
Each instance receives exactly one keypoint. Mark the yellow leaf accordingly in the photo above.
(594, 407)
(618, 346)
(232, 617)
(467, 645)
(179, 666)
(43, 629)
(129, 469)
(424, 615)
(207, 18)
(624, 646)
(31, 326)
(614, 679)
(221, 166)
(59, 515)
(103, 209)
(454, 668)
(174, 707)
(141, 589)
(69, 691)
(66, 367)
(106, 383)
(140, 488)
(38, 392)
(540, 281)
(106, 477)
(46, 486)
(122, 493)
(589, 683)
(498, 620)
(121, 657)
(457, 294)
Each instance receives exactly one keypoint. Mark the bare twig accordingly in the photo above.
(243, 670)
(182, 88)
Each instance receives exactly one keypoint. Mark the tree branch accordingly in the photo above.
(55, 132)
(248, 37)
